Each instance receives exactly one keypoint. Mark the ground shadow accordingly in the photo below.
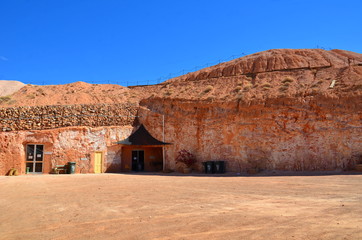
(261, 174)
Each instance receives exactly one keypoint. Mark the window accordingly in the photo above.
(34, 158)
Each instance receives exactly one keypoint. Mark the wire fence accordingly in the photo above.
(158, 80)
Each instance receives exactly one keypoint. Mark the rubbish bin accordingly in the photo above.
(209, 167)
(71, 167)
(219, 166)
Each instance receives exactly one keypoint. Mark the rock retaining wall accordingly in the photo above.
(49, 117)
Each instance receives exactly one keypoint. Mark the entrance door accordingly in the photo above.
(138, 160)
(98, 162)
(34, 158)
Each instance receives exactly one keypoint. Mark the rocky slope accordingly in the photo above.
(272, 74)
(68, 94)
(257, 77)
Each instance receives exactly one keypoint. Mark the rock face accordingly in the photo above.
(74, 144)
(279, 109)
(280, 134)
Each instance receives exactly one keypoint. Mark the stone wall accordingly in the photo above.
(50, 117)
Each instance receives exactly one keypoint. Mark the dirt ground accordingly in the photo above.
(123, 206)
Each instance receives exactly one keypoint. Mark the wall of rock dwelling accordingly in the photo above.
(281, 134)
(76, 144)
(50, 117)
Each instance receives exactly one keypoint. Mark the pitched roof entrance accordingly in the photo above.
(141, 137)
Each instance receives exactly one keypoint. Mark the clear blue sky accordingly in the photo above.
(135, 42)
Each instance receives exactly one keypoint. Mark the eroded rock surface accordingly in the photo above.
(280, 134)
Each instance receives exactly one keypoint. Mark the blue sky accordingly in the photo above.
(140, 42)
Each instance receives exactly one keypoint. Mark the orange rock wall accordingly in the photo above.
(75, 144)
(280, 134)
(314, 133)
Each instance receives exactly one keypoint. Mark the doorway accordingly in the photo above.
(34, 158)
(138, 160)
(98, 162)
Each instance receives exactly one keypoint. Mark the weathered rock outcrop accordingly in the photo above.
(280, 134)
(279, 109)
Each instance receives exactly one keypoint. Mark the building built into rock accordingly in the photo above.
(297, 110)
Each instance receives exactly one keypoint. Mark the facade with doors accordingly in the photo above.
(94, 150)
(140, 158)
(40, 151)
(39, 158)
(142, 152)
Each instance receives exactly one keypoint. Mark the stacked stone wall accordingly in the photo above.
(49, 117)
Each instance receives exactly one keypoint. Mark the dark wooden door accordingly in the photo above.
(138, 160)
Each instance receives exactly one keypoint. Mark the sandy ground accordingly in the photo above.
(120, 206)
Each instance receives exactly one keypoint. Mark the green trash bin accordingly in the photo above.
(71, 167)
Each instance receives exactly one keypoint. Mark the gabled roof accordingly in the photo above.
(141, 137)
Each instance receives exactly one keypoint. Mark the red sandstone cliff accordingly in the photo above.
(281, 134)
(279, 109)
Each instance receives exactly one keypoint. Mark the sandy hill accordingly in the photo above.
(74, 93)
(272, 74)
(9, 87)
(275, 73)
